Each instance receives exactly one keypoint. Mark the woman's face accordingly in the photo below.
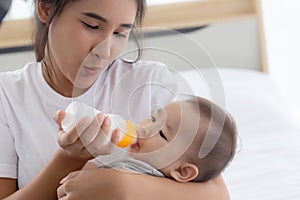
(87, 36)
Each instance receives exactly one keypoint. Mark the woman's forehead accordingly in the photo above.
(112, 10)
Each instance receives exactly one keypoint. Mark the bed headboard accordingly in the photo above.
(217, 15)
(199, 20)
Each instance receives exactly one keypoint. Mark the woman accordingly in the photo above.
(77, 44)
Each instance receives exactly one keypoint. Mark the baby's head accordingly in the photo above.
(171, 140)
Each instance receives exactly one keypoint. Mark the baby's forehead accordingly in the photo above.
(186, 115)
(182, 109)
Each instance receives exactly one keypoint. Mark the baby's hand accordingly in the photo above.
(88, 139)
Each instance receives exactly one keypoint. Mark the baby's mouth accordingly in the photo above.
(134, 148)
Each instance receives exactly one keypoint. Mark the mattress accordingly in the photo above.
(267, 161)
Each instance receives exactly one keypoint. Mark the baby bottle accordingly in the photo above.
(77, 110)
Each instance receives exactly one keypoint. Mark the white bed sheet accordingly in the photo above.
(267, 163)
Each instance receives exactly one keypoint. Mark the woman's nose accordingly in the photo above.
(102, 49)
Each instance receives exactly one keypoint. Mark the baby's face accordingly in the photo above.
(157, 132)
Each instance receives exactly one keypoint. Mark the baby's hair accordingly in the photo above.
(223, 151)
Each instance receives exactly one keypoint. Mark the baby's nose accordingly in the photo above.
(144, 132)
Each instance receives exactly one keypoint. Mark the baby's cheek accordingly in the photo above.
(145, 123)
(158, 145)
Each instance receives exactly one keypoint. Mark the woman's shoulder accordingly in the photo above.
(18, 75)
(29, 67)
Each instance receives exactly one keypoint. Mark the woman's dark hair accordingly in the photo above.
(4, 7)
(42, 29)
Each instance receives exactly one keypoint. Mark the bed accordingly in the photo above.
(266, 166)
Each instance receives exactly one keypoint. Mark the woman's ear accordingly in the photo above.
(184, 173)
(42, 10)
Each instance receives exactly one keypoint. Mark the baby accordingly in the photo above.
(189, 140)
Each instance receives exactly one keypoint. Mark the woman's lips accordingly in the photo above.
(91, 70)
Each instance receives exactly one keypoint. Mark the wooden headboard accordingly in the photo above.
(189, 14)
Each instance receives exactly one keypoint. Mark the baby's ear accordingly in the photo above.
(185, 172)
(42, 10)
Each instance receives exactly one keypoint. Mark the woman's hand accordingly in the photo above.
(112, 184)
(88, 139)
(94, 184)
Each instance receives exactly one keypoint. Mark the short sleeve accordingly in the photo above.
(168, 85)
(8, 156)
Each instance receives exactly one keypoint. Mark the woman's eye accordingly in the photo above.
(162, 135)
(153, 118)
(90, 26)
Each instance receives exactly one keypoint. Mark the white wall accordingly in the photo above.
(282, 31)
(230, 44)
(12, 61)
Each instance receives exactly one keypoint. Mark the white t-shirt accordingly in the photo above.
(27, 104)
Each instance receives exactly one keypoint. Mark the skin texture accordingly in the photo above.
(161, 139)
(79, 47)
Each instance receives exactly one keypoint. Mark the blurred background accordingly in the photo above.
(281, 36)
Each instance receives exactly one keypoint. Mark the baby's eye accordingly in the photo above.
(153, 118)
(162, 135)
(120, 34)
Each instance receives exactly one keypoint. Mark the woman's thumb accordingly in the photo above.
(59, 116)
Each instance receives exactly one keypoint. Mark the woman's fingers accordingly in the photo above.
(69, 185)
(93, 131)
(115, 137)
(66, 184)
(88, 138)
(103, 143)
(66, 139)
(58, 117)
(102, 137)
(61, 192)
(70, 176)
(64, 198)
(113, 141)
(99, 145)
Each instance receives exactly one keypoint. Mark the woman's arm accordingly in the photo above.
(45, 184)
(7, 187)
(164, 188)
(112, 184)
(73, 155)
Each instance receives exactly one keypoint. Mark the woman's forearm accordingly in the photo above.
(44, 185)
(113, 184)
(148, 187)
